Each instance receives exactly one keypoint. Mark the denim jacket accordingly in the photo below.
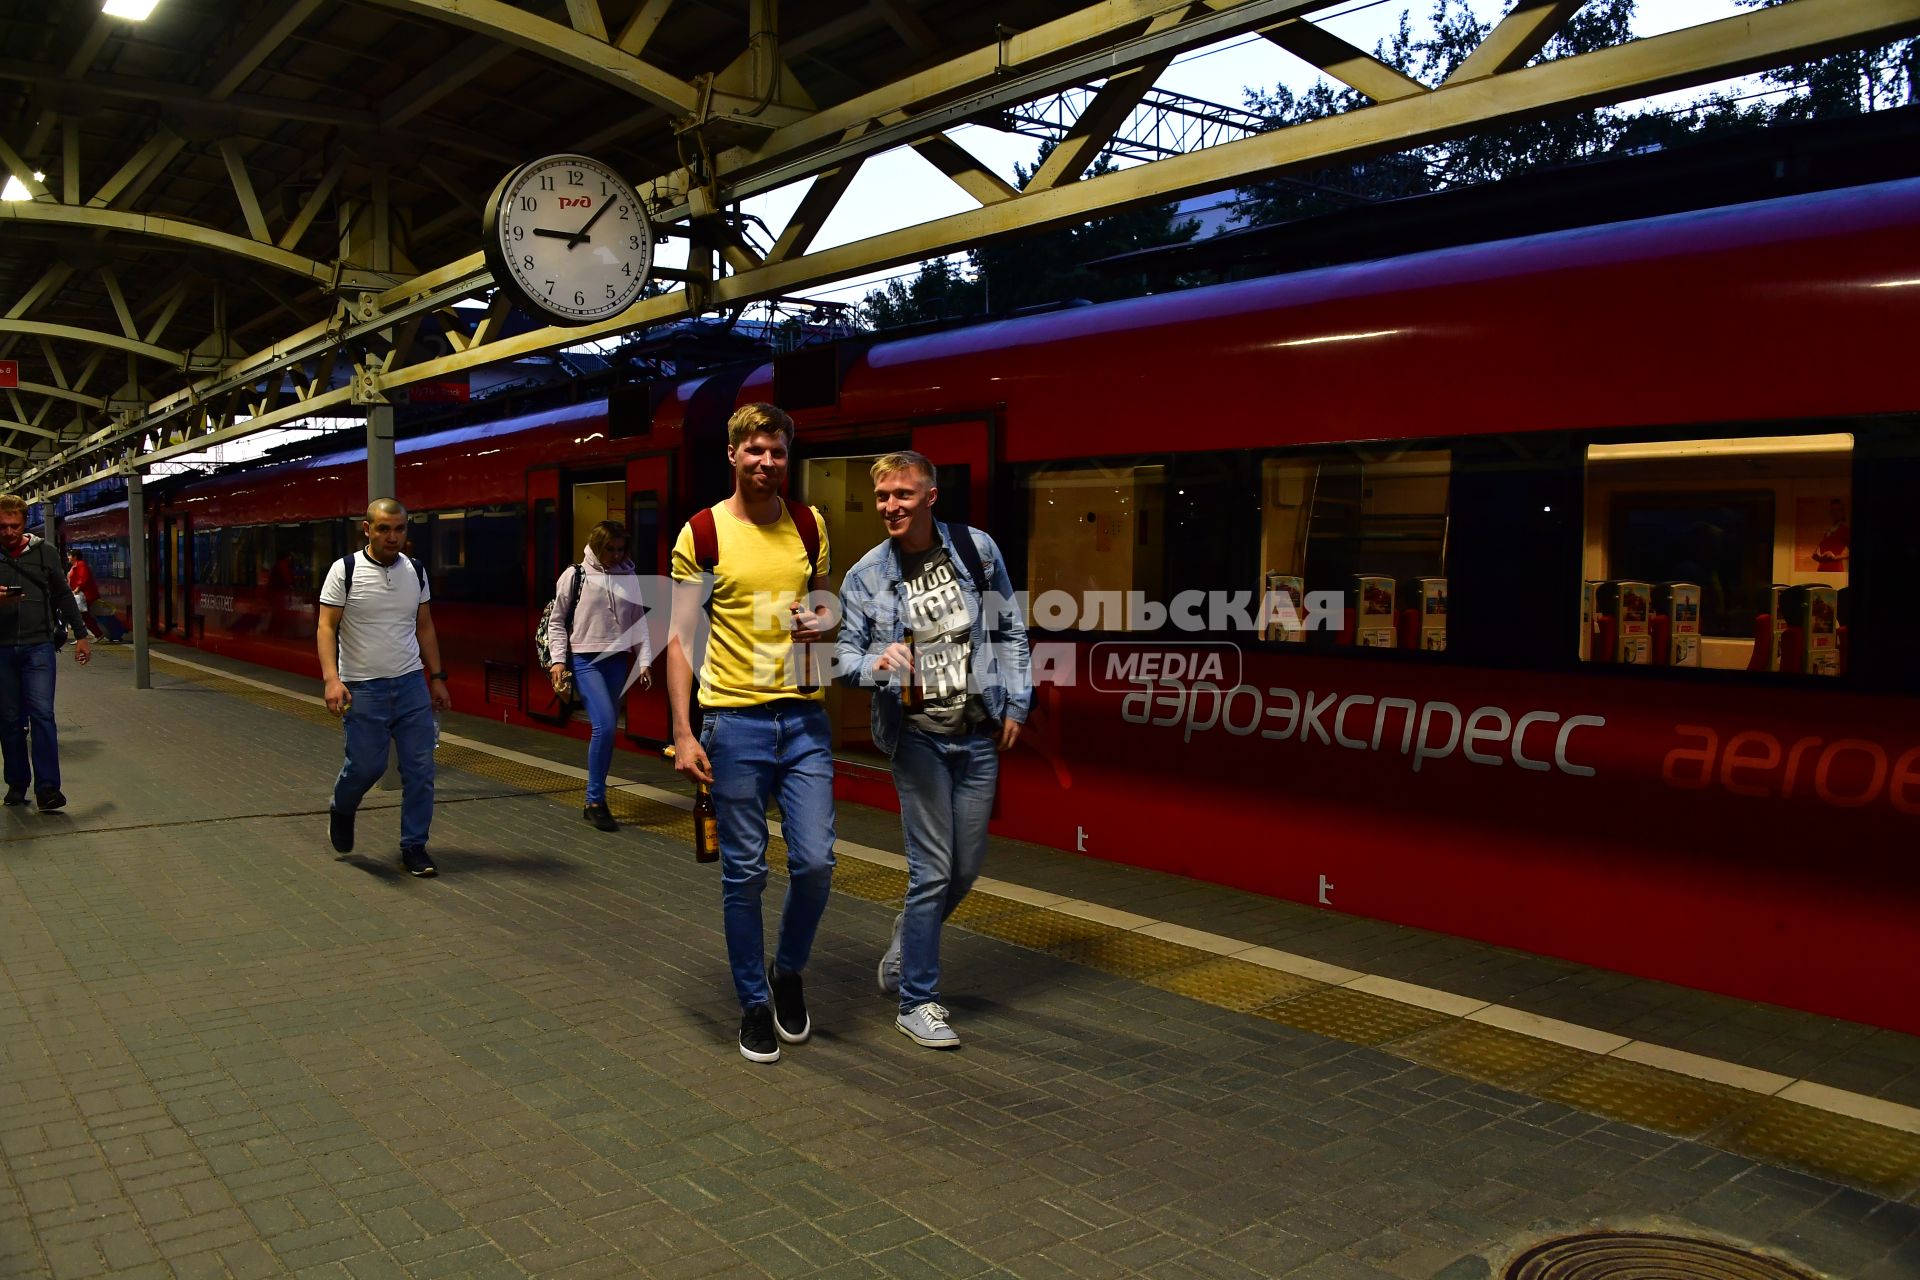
(873, 602)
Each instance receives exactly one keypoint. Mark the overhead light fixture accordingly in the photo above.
(1735, 447)
(131, 10)
(17, 190)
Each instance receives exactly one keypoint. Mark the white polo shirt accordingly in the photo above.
(379, 636)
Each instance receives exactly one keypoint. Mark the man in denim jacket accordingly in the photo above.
(967, 670)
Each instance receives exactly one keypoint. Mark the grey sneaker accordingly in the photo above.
(890, 962)
(927, 1025)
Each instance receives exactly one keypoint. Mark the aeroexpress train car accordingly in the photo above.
(1557, 591)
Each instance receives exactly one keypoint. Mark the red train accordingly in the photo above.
(1712, 789)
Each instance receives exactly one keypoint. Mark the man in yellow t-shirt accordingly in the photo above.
(763, 727)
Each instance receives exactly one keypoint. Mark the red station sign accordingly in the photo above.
(9, 374)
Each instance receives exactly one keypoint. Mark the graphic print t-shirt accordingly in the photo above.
(942, 644)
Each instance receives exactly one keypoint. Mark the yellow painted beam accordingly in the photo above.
(92, 337)
(561, 44)
(113, 220)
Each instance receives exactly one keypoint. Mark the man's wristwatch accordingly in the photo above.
(437, 675)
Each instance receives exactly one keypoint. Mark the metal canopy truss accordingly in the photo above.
(278, 217)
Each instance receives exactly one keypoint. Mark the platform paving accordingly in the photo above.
(226, 1051)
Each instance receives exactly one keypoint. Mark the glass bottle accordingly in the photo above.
(911, 694)
(706, 825)
(803, 672)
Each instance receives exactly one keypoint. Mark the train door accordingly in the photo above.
(176, 575)
(650, 542)
(963, 452)
(543, 569)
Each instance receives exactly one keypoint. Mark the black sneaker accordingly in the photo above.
(50, 799)
(756, 1035)
(417, 861)
(790, 1008)
(340, 829)
(16, 795)
(601, 817)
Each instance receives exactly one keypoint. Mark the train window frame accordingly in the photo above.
(1359, 453)
(1696, 441)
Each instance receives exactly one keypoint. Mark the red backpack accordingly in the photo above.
(706, 538)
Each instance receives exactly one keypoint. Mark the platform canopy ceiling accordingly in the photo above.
(237, 213)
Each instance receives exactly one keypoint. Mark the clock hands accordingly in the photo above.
(581, 234)
(555, 235)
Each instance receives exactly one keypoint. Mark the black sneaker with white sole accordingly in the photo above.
(417, 862)
(757, 1043)
(790, 1008)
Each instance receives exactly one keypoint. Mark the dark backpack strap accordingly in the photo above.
(573, 593)
(419, 572)
(706, 540)
(809, 536)
(346, 577)
(962, 538)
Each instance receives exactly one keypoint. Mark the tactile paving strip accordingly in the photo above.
(1503, 1058)
(1766, 1129)
(1831, 1146)
(1231, 984)
(1353, 1016)
(1648, 1096)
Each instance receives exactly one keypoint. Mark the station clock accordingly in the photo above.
(568, 239)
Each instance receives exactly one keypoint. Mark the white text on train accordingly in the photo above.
(1535, 740)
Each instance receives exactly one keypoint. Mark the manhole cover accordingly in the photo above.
(1621, 1255)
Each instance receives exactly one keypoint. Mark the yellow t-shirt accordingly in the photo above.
(763, 569)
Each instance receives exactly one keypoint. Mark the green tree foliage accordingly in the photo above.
(1032, 270)
(1843, 84)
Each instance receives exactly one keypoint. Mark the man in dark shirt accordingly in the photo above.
(35, 607)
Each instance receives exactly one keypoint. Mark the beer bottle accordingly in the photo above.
(706, 825)
(911, 694)
(803, 672)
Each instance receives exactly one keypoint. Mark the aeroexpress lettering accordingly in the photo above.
(1540, 741)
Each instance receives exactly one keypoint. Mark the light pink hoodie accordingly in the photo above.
(608, 618)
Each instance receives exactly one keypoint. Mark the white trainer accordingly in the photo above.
(926, 1024)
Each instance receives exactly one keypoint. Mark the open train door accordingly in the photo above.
(543, 570)
(963, 451)
(650, 537)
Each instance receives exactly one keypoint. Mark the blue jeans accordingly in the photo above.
(599, 679)
(783, 748)
(26, 700)
(946, 784)
(400, 710)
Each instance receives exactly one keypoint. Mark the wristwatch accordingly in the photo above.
(437, 675)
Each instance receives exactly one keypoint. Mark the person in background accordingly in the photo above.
(35, 607)
(85, 593)
(373, 631)
(947, 586)
(597, 639)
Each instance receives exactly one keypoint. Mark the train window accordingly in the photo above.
(476, 555)
(1095, 529)
(206, 558)
(1729, 553)
(1369, 522)
(240, 556)
(643, 532)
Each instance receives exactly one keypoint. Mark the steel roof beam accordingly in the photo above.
(1521, 34)
(1352, 66)
(92, 337)
(562, 44)
(266, 255)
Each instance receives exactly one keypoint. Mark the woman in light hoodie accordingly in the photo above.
(606, 641)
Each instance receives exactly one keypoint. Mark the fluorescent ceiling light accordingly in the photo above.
(17, 190)
(1743, 446)
(131, 10)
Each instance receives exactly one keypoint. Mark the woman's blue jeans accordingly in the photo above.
(598, 680)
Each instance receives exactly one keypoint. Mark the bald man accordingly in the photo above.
(374, 631)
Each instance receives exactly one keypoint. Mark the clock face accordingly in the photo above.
(569, 239)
